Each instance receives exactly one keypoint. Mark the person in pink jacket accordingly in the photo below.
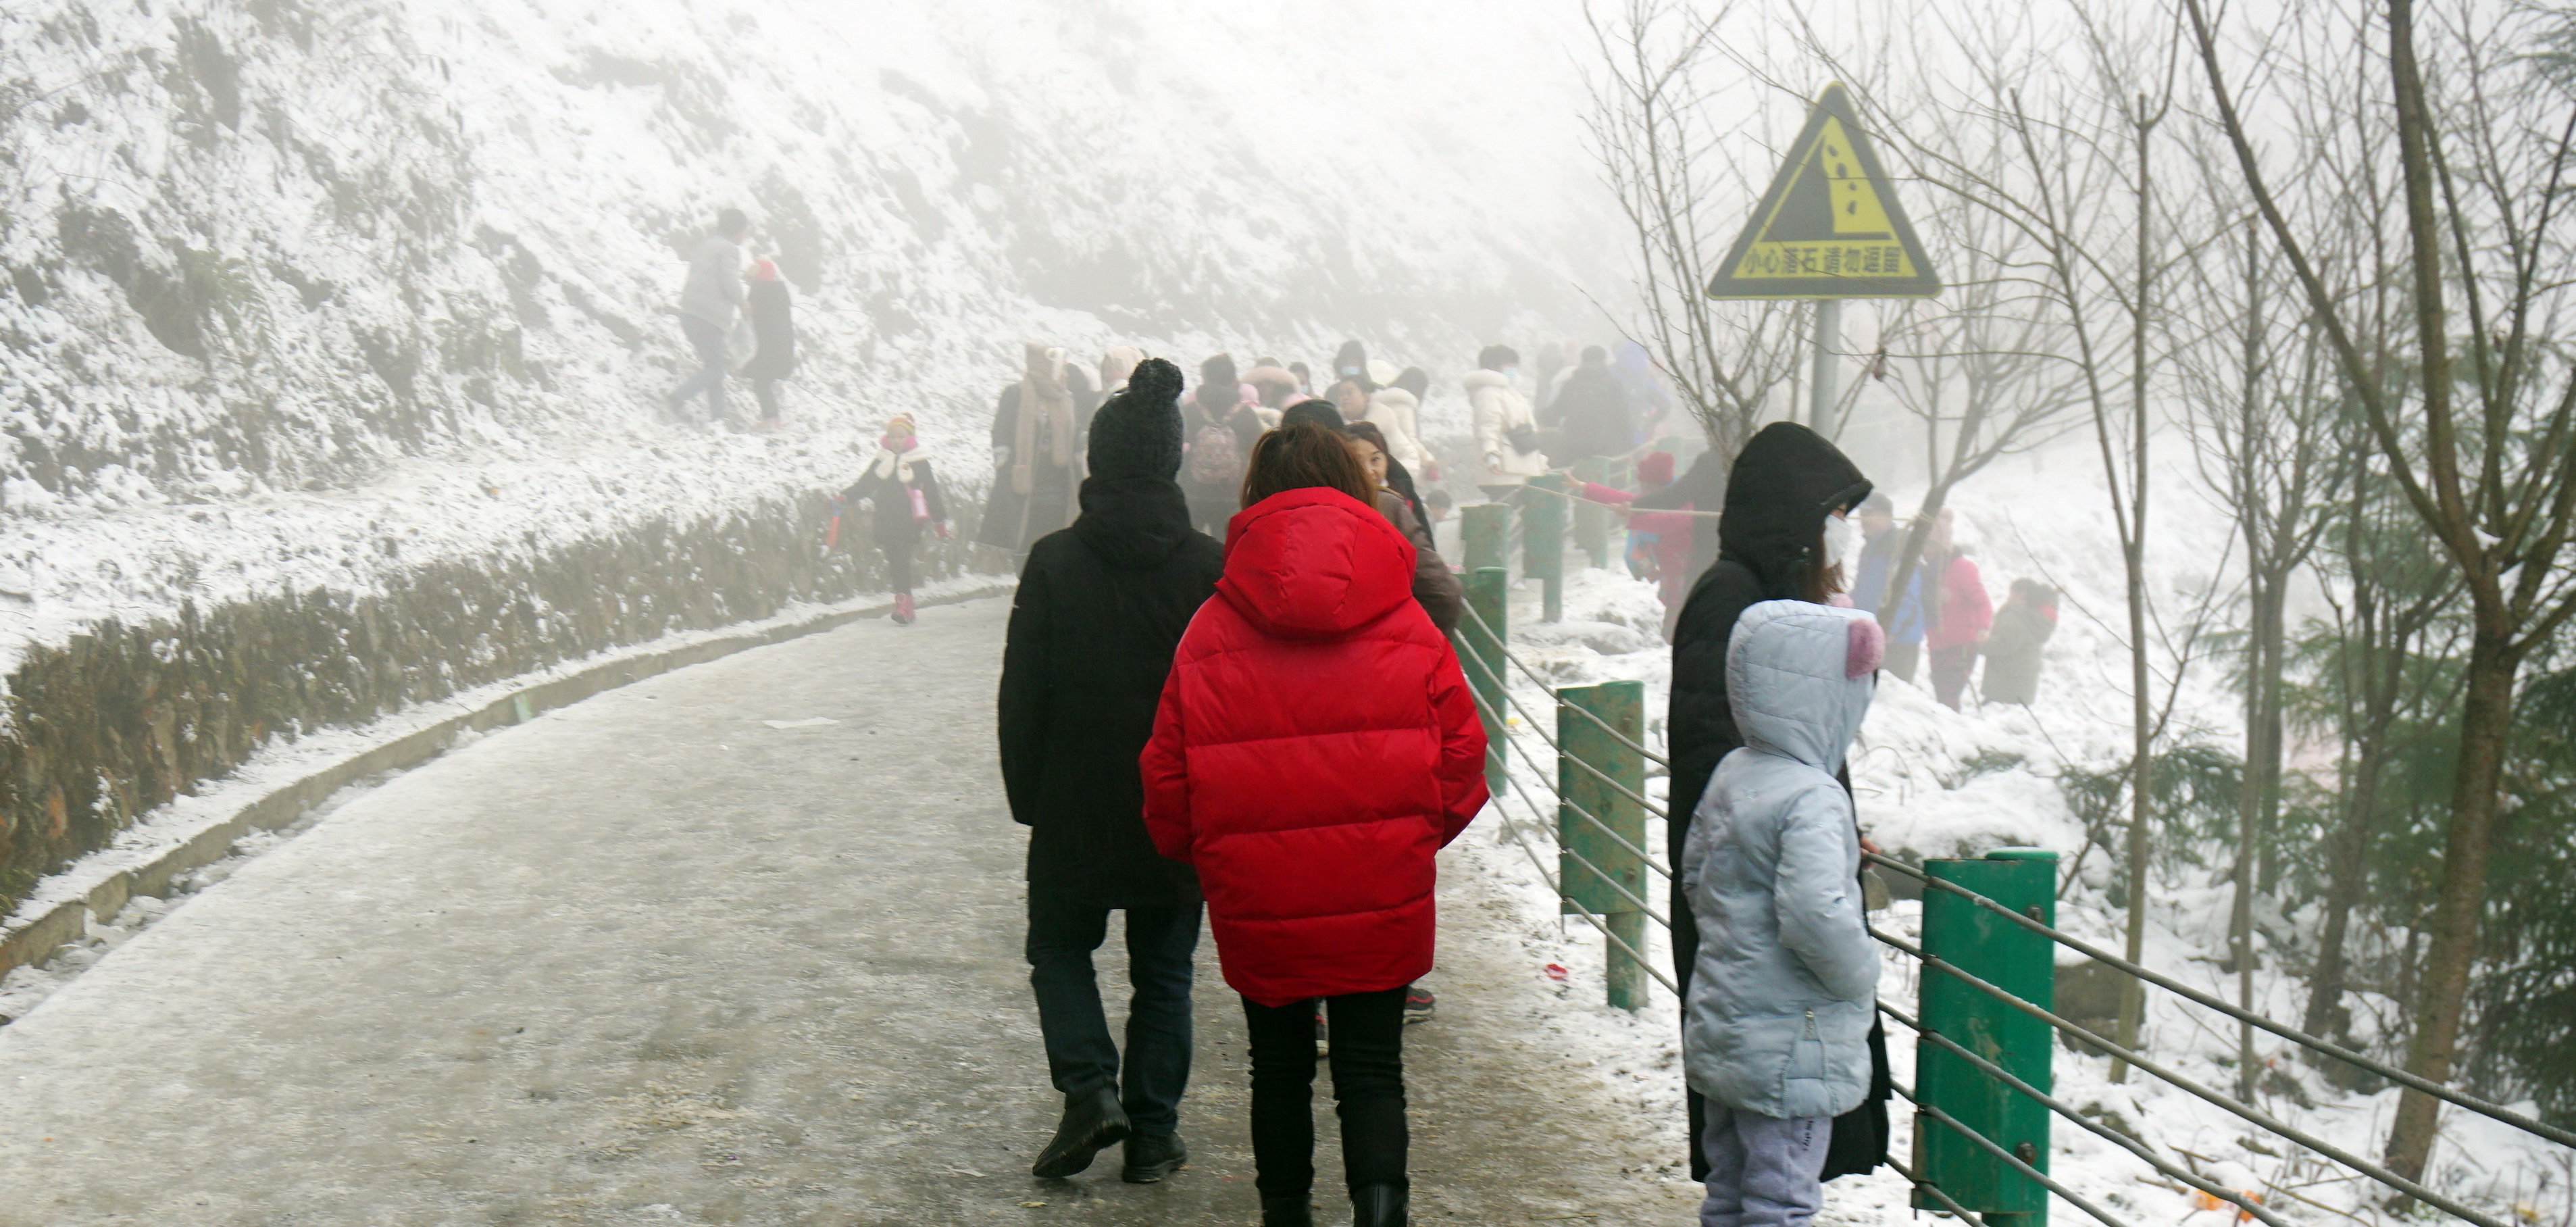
(1664, 537)
(1964, 614)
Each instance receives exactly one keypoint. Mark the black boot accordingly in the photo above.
(1150, 1157)
(1092, 1122)
(1298, 1211)
(1379, 1205)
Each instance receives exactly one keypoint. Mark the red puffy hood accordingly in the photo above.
(1314, 563)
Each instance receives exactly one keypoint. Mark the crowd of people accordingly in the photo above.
(1266, 724)
(1229, 694)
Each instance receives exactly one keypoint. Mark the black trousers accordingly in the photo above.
(898, 564)
(1080, 1054)
(1368, 1091)
(1686, 952)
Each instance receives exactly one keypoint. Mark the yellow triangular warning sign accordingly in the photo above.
(1830, 227)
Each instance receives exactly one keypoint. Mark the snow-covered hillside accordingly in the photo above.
(314, 312)
(285, 245)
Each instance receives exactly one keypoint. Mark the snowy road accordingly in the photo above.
(648, 959)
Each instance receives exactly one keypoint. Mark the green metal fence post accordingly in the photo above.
(2022, 963)
(1621, 706)
(1485, 527)
(1591, 519)
(1488, 593)
(1543, 551)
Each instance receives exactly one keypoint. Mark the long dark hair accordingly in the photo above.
(1818, 584)
(1300, 455)
(1398, 478)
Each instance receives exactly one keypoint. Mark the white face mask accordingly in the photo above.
(1842, 540)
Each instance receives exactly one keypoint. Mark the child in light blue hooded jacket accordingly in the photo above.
(1777, 1022)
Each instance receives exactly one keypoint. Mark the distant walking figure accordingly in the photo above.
(1963, 612)
(709, 302)
(898, 480)
(1592, 412)
(1100, 607)
(773, 328)
(1506, 429)
(2021, 628)
(1037, 447)
(1315, 748)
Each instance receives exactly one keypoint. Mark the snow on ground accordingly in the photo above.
(284, 762)
(1934, 783)
(297, 294)
(736, 944)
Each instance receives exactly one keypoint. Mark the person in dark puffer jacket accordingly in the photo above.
(1772, 545)
(1316, 747)
(1100, 608)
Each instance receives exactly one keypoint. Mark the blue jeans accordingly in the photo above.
(709, 342)
(1080, 1054)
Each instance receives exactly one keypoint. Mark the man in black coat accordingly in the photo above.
(1591, 411)
(1785, 484)
(1100, 610)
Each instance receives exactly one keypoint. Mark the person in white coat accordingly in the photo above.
(1775, 1030)
(1506, 429)
(1397, 413)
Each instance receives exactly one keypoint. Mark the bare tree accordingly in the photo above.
(2391, 596)
(2483, 451)
(1982, 368)
(1683, 192)
(2264, 426)
(2079, 185)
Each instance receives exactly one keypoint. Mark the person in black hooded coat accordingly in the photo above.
(1782, 488)
(1099, 612)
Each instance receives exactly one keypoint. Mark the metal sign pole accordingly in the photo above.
(1828, 371)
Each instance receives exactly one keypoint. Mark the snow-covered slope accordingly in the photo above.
(284, 245)
(319, 304)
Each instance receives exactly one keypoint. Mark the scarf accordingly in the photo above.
(896, 462)
(1046, 419)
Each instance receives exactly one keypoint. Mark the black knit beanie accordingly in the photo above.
(1320, 412)
(1137, 433)
(1219, 371)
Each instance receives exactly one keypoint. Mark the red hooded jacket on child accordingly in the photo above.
(1316, 746)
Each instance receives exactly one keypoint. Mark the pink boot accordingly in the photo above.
(903, 609)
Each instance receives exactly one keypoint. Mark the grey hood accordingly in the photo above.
(1789, 677)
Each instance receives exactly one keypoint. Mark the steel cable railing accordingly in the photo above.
(2253, 1115)
(1494, 698)
(2312, 1043)
(2105, 1132)
(1542, 683)
(1579, 811)
(2008, 1158)
(1504, 686)
(1537, 813)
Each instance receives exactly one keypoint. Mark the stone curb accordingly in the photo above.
(68, 921)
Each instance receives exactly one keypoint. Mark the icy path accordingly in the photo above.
(649, 960)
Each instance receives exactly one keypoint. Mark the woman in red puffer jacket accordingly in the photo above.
(1316, 746)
